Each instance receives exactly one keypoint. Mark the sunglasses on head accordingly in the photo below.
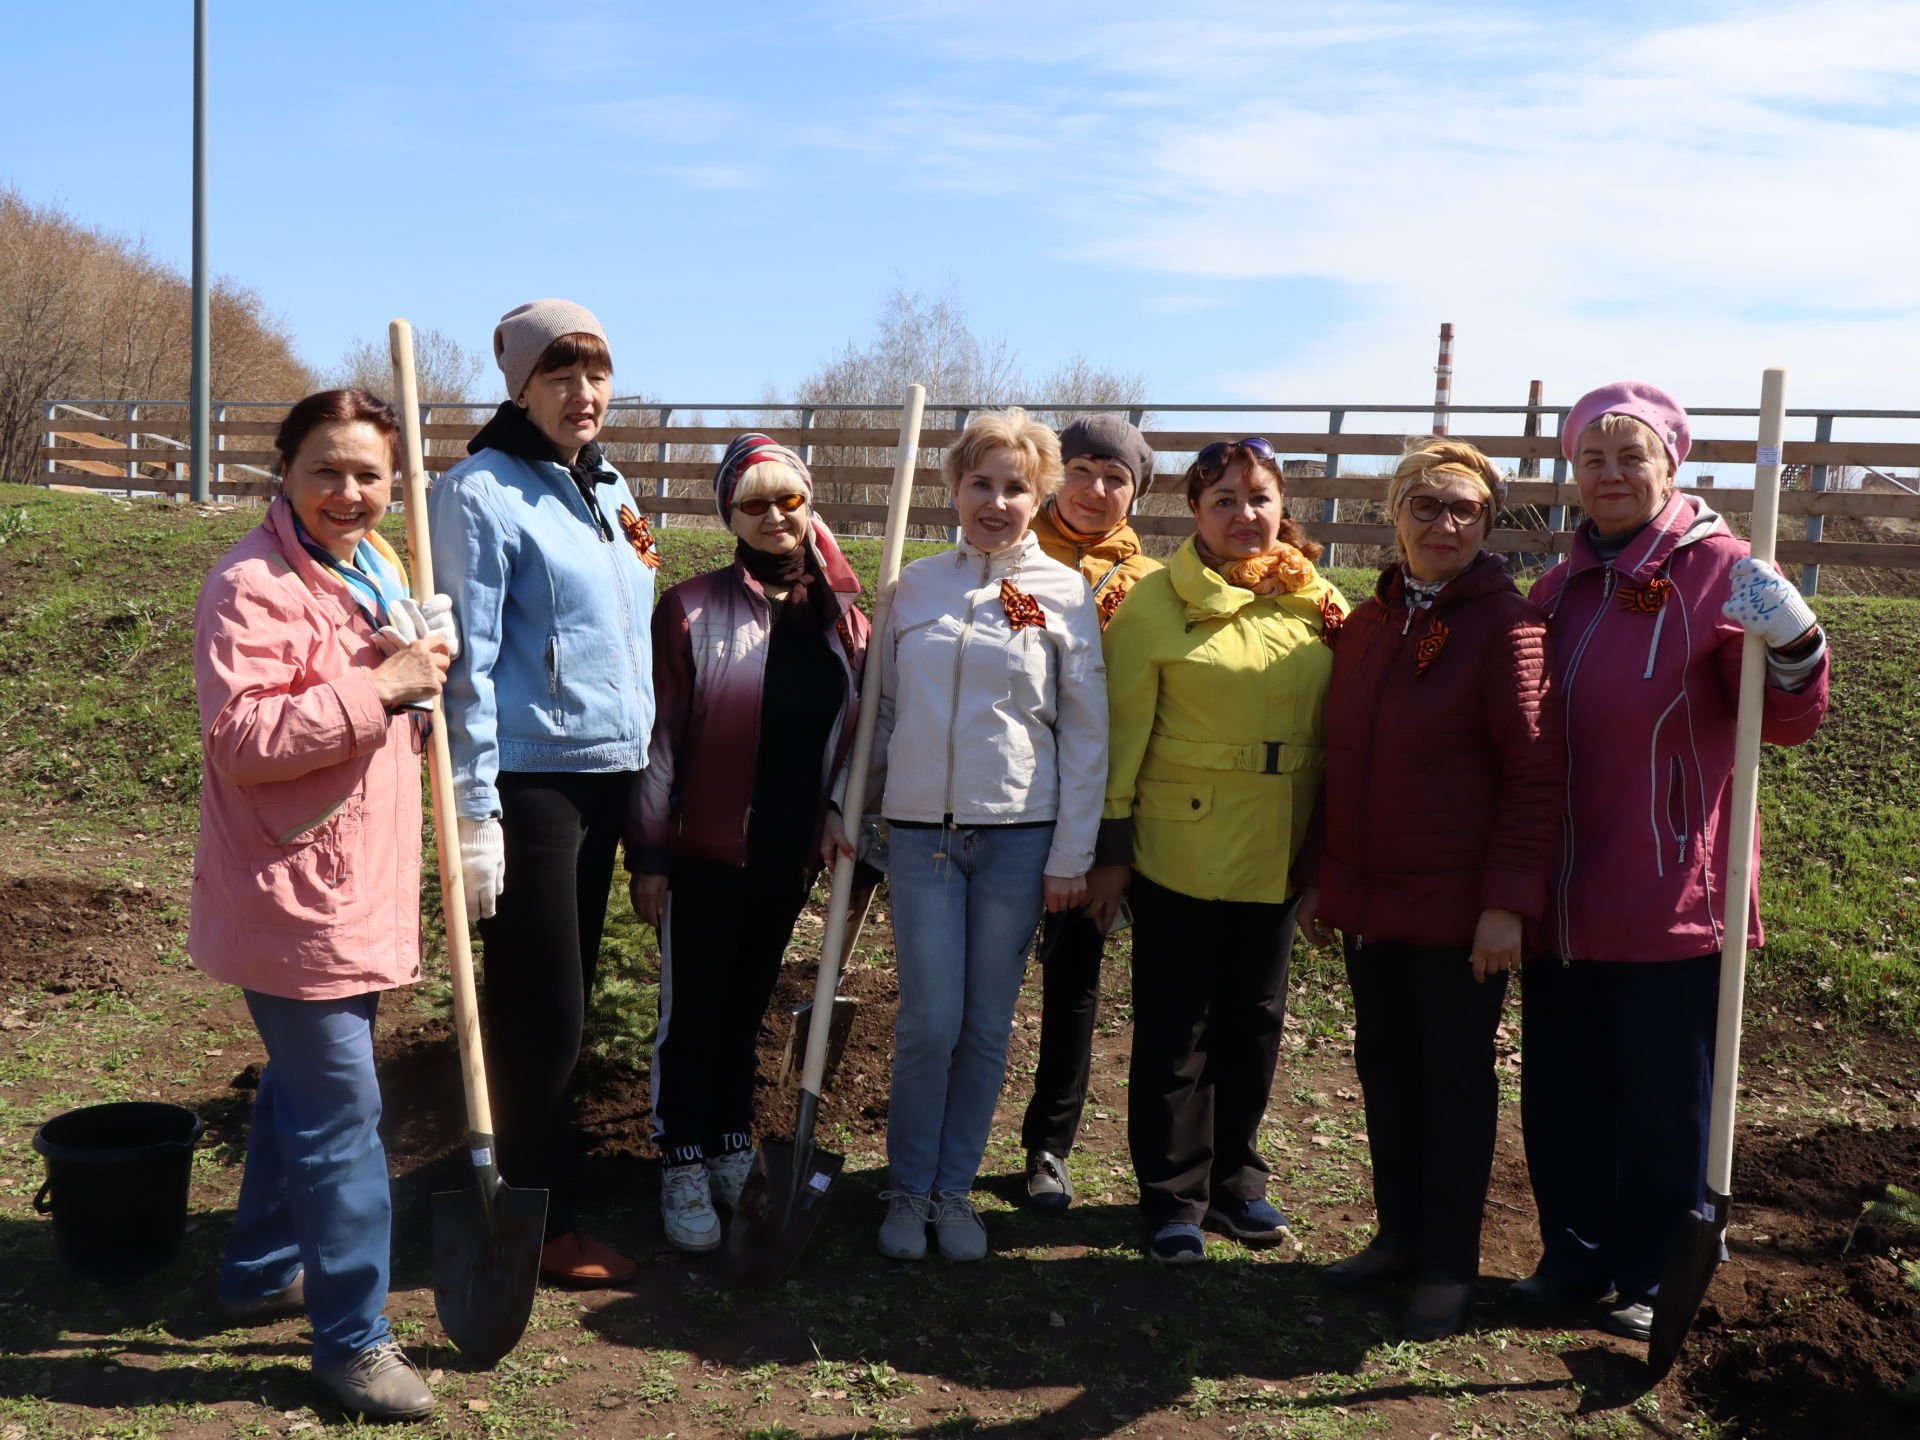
(760, 504)
(1426, 509)
(1216, 453)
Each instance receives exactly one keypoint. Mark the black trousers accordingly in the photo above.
(1209, 999)
(541, 952)
(1069, 1005)
(726, 931)
(1423, 1045)
(1615, 1097)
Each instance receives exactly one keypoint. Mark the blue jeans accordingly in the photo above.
(315, 1192)
(965, 904)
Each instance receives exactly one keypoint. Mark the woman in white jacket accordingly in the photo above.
(990, 763)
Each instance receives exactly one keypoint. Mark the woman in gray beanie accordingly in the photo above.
(548, 715)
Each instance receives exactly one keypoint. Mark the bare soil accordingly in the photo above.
(1067, 1330)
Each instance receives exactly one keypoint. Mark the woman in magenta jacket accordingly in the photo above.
(1648, 616)
(306, 881)
(1444, 783)
(756, 672)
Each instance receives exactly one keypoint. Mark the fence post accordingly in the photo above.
(50, 468)
(1556, 512)
(1529, 468)
(959, 423)
(1330, 506)
(133, 443)
(660, 458)
(805, 452)
(219, 444)
(1816, 524)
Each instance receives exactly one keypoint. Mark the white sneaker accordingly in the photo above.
(686, 1208)
(903, 1234)
(958, 1227)
(727, 1176)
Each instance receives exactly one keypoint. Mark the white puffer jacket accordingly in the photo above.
(983, 724)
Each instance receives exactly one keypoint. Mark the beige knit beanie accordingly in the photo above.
(525, 332)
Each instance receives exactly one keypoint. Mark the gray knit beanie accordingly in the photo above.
(525, 332)
(1113, 438)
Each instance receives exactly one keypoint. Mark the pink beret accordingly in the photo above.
(1649, 404)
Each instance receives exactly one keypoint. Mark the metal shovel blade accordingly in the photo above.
(780, 1207)
(1683, 1284)
(486, 1265)
(840, 1025)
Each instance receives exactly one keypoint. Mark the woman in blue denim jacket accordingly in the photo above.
(550, 566)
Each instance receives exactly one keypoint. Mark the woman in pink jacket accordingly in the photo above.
(306, 893)
(1647, 619)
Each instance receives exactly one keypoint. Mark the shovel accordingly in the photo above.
(794, 1058)
(786, 1190)
(1696, 1251)
(486, 1240)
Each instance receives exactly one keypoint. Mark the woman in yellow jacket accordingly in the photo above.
(1217, 668)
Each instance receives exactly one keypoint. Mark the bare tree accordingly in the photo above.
(88, 315)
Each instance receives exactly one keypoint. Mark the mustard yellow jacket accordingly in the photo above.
(1216, 739)
(1112, 564)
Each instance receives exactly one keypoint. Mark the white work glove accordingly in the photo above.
(483, 864)
(409, 620)
(1764, 604)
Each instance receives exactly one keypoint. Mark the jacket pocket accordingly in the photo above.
(554, 706)
(303, 875)
(1677, 808)
(1172, 799)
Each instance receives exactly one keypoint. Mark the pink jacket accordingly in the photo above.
(1649, 673)
(306, 882)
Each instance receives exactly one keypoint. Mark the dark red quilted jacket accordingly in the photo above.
(1446, 766)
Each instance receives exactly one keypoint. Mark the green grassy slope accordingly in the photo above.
(98, 731)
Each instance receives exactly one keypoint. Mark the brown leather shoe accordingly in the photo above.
(581, 1262)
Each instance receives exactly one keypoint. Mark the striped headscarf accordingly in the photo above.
(742, 455)
(752, 449)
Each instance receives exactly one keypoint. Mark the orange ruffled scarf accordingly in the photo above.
(1282, 572)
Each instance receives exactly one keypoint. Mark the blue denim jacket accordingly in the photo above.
(556, 661)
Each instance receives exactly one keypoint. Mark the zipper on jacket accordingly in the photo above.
(553, 672)
(959, 661)
(1653, 648)
(1677, 785)
(1566, 814)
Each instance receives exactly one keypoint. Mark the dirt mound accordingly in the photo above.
(62, 935)
(1813, 1329)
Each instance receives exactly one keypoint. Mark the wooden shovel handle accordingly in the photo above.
(1746, 788)
(453, 891)
(899, 501)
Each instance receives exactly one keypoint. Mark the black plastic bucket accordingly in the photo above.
(117, 1180)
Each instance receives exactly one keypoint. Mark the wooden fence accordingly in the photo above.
(104, 453)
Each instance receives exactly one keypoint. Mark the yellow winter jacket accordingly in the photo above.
(1113, 564)
(1215, 739)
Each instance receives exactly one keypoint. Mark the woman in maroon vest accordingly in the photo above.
(1443, 787)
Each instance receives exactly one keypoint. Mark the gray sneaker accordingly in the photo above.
(903, 1234)
(379, 1383)
(958, 1227)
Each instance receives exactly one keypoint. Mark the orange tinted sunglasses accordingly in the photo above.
(760, 504)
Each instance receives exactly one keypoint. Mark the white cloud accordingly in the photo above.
(1587, 198)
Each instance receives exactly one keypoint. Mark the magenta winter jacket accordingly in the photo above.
(306, 880)
(1649, 673)
(710, 638)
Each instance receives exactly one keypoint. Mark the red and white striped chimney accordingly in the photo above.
(1443, 380)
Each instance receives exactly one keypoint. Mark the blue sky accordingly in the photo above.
(1241, 201)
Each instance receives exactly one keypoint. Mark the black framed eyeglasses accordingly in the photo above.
(760, 504)
(1216, 454)
(1427, 509)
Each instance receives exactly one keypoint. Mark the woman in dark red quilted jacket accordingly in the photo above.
(1444, 780)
